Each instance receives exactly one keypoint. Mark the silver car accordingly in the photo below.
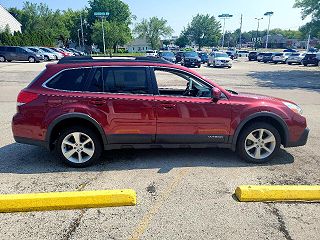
(47, 56)
(295, 58)
(56, 54)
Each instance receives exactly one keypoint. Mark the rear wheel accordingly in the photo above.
(208, 64)
(2, 59)
(79, 146)
(46, 58)
(258, 143)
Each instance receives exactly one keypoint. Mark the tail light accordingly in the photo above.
(26, 97)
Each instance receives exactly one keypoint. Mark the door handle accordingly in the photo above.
(168, 106)
(98, 102)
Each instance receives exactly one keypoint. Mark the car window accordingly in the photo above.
(2, 48)
(11, 49)
(70, 80)
(176, 83)
(120, 80)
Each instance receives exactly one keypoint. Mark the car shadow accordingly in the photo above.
(25, 159)
(293, 79)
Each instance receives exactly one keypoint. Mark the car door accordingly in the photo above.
(124, 96)
(185, 119)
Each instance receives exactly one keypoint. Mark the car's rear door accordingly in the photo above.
(124, 96)
(187, 119)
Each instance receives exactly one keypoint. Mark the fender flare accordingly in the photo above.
(260, 114)
(75, 115)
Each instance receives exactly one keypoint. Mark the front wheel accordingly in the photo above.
(31, 59)
(79, 146)
(2, 59)
(258, 143)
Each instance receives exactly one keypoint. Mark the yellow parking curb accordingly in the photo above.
(252, 193)
(66, 200)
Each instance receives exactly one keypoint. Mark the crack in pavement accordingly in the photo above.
(73, 226)
(282, 225)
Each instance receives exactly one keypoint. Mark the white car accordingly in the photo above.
(242, 53)
(295, 58)
(281, 57)
(151, 53)
(219, 59)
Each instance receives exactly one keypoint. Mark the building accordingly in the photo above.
(7, 20)
(138, 45)
(275, 41)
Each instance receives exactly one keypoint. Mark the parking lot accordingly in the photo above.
(181, 194)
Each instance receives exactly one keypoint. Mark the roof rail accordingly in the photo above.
(87, 59)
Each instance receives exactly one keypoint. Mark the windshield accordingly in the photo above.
(222, 55)
(167, 54)
(190, 54)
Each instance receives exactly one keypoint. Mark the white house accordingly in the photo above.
(6, 19)
(138, 45)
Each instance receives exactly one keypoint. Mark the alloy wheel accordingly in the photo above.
(2, 59)
(77, 147)
(260, 143)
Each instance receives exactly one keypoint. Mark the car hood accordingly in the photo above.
(262, 97)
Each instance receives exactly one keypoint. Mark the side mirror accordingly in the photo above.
(215, 94)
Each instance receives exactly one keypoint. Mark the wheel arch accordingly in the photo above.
(268, 117)
(67, 120)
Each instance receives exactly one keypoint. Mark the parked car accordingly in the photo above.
(204, 56)
(56, 54)
(295, 58)
(290, 50)
(191, 59)
(76, 104)
(64, 53)
(75, 53)
(242, 53)
(80, 53)
(267, 57)
(280, 57)
(47, 56)
(179, 56)
(219, 59)
(232, 54)
(151, 53)
(167, 55)
(12, 53)
(253, 56)
(311, 59)
(260, 56)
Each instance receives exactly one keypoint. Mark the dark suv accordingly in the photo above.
(191, 59)
(311, 58)
(253, 56)
(9, 53)
(82, 106)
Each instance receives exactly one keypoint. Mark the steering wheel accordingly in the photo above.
(187, 90)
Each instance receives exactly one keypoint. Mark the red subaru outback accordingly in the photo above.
(82, 106)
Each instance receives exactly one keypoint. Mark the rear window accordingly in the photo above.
(2, 48)
(70, 80)
(120, 80)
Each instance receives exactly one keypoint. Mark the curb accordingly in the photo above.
(254, 193)
(66, 200)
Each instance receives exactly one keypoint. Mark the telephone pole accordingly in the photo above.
(240, 32)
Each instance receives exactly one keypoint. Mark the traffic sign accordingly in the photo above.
(101, 14)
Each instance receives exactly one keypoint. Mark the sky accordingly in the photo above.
(179, 13)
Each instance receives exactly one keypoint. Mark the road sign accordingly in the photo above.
(101, 14)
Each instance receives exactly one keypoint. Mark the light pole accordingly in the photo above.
(269, 14)
(82, 31)
(257, 35)
(224, 17)
(79, 37)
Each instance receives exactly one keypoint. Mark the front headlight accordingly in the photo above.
(293, 107)
(38, 55)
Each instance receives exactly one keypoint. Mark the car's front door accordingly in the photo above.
(124, 95)
(185, 115)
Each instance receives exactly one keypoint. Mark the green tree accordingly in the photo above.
(204, 30)
(153, 29)
(182, 40)
(310, 8)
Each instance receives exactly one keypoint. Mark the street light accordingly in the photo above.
(269, 14)
(79, 37)
(224, 17)
(257, 35)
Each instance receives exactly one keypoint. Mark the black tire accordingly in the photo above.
(46, 58)
(31, 60)
(242, 138)
(290, 63)
(87, 131)
(208, 64)
(2, 59)
(305, 64)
